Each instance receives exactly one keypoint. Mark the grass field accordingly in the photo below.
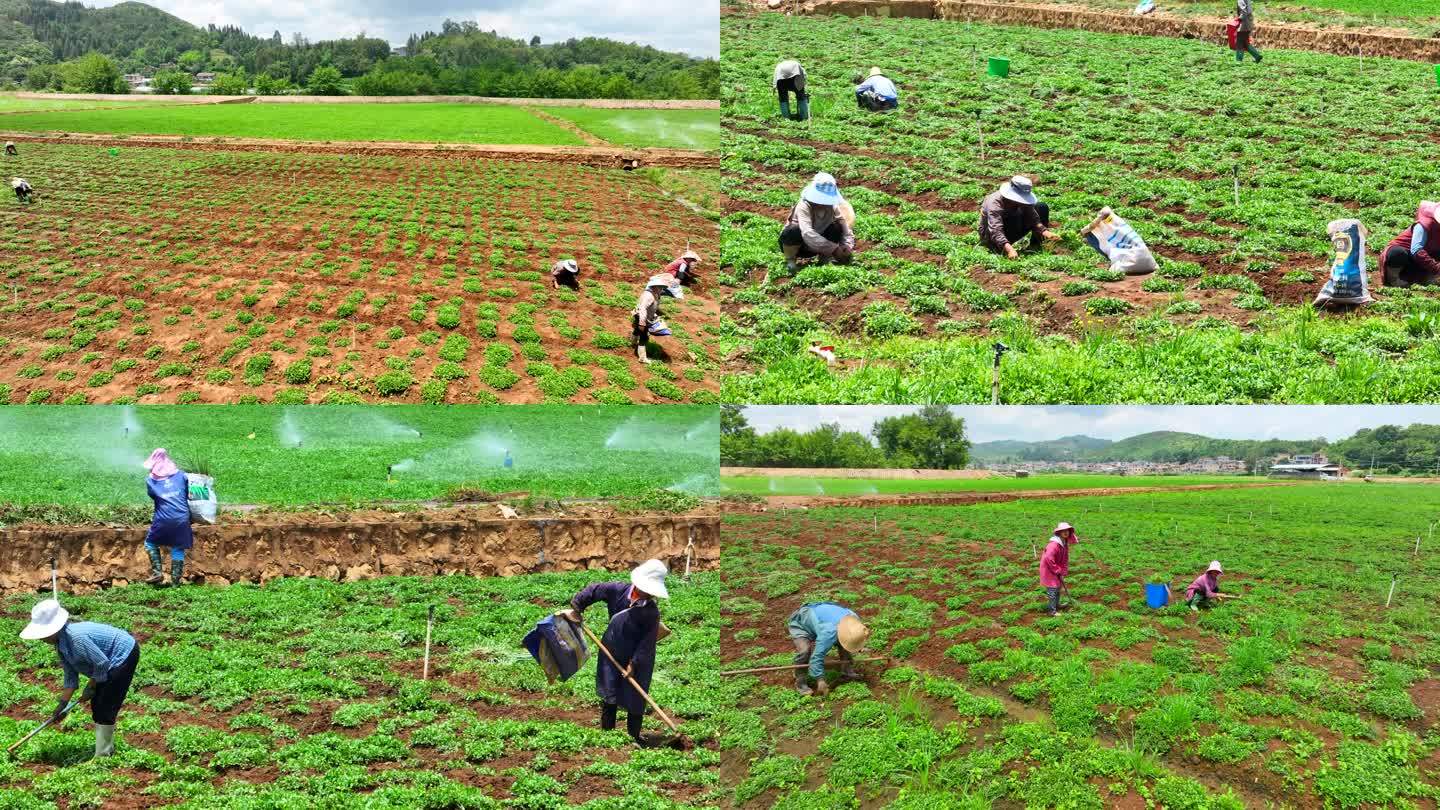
(12, 103)
(1420, 19)
(90, 456)
(308, 694)
(161, 275)
(1306, 692)
(1153, 127)
(842, 487)
(678, 129)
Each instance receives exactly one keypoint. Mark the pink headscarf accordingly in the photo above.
(160, 465)
(1426, 215)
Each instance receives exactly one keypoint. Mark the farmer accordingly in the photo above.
(683, 268)
(1012, 213)
(23, 189)
(509, 460)
(821, 224)
(790, 78)
(104, 654)
(815, 628)
(565, 272)
(1055, 564)
(631, 636)
(1414, 256)
(645, 320)
(1205, 587)
(1245, 15)
(170, 526)
(877, 93)
(10, 150)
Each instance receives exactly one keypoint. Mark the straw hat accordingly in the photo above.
(822, 190)
(875, 71)
(852, 633)
(46, 619)
(1215, 566)
(1020, 190)
(649, 577)
(691, 255)
(570, 266)
(1062, 526)
(667, 282)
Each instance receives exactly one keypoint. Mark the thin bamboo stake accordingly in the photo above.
(429, 626)
(1392, 591)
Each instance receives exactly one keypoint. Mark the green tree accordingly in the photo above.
(231, 84)
(933, 439)
(325, 81)
(191, 61)
(93, 73)
(172, 83)
(267, 85)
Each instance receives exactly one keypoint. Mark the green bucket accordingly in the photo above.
(1437, 73)
(113, 151)
(999, 67)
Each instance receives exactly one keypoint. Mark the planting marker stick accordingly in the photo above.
(689, 547)
(1392, 591)
(633, 683)
(429, 624)
(1417, 546)
(1237, 185)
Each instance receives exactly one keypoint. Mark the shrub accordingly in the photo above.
(298, 372)
(1104, 305)
(258, 364)
(393, 383)
(433, 391)
(665, 389)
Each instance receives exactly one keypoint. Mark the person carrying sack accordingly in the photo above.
(1243, 31)
(169, 489)
(790, 78)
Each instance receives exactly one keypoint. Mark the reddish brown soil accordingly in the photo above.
(963, 498)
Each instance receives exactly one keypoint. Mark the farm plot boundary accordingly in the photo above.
(965, 498)
(1333, 41)
(597, 103)
(348, 550)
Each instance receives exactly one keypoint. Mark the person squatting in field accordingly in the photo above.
(23, 189)
(104, 654)
(1245, 16)
(790, 78)
(170, 524)
(1012, 213)
(634, 630)
(820, 225)
(1413, 257)
(877, 93)
(10, 150)
(645, 320)
(1205, 588)
(566, 273)
(1055, 565)
(683, 267)
(814, 628)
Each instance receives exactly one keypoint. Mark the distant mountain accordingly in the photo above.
(1068, 448)
(1160, 445)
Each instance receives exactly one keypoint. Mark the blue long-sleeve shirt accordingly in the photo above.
(93, 650)
(823, 625)
(881, 86)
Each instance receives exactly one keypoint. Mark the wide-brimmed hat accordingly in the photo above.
(1063, 526)
(691, 255)
(1020, 190)
(570, 266)
(852, 633)
(822, 191)
(46, 619)
(649, 577)
(875, 71)
(667, 282)
(1215, 566)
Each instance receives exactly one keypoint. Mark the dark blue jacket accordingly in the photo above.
(631, 637)
(171, 524)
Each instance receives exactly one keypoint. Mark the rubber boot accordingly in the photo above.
(104, 740)
(802, 684)
(640, 353)
(785, 110)
(804, 112)
(177, 572)
(157, 568)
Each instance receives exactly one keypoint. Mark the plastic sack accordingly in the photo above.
(659, 329)
(1232, 33)
(1119, 242)
(558, 647)
(204, 508)
(1144, 7)
(1348, 283)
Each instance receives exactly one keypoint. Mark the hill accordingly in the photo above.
(1161, 445)
(1066, 448)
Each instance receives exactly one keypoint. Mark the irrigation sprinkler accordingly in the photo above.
(429, 626)
(1000, 349)
(1393, 577)
(389, 473)
(875, 521)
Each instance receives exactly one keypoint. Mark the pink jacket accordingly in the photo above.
(1204, 584)
(1054, 563)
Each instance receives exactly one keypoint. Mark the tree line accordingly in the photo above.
(932, 438)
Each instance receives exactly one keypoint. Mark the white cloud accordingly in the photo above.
(689, 27)
(1041, 422)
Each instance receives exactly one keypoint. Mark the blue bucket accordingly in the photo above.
(1157, 596)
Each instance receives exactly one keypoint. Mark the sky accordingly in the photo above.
(984, 423)
(690, 26)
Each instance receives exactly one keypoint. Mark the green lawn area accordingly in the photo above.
(676, 129)
(1421, 18)
(757, 485)
(424, 123)
(12, 103)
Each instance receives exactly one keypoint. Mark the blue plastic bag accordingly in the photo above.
(558, 646)
(1348, 283)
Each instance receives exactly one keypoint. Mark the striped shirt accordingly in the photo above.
(93, 650)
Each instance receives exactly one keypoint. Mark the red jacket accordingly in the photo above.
(1204, 584)
(1054, 563)
(1428, 257)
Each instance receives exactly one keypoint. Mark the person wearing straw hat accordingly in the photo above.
(820, 225)
(1012, 213)
(106, 655)
(877, 93)
(565, 272)
(634, 630)
(1205, 587)
(645, 320)
(1055, 565)
(23, 189)
(814, 629)
(170, 523)
(1413, 257)
(10, 150)
(790, 78)
(683, 268)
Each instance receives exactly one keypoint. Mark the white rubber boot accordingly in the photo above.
(104, 740)
(640, 353)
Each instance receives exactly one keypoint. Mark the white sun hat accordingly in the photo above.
(1063, 526)
(1020, 189)
(691, 255)
(46, 619)
(1215, 566)
(649, 577)
(669, 283)
(570, 266)
(875, 71)
(822, 190)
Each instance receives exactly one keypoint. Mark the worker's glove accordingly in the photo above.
(88, 693)
(822, 687)
(59, 711)
(570, 614)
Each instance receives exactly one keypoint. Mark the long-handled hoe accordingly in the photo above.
(42, 727)
(678, 740)
(793, 667)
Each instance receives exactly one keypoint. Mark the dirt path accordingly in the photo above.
(597, 156)
(965, 498)
(568, 125)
